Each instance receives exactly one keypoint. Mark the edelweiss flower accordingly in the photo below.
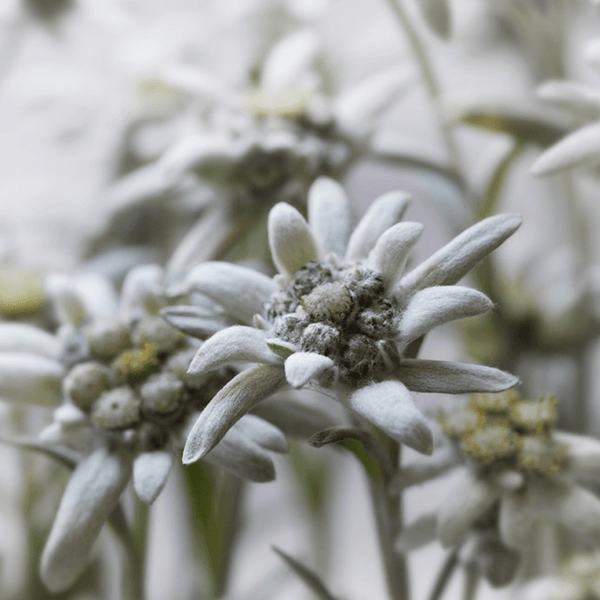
(340, 314)
(515, 469)
(127, 403)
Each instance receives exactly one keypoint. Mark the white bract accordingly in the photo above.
(340, 315)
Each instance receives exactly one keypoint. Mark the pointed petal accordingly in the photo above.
(290, 239)
(193, 320)
(390, 406)
(417, 534)
(237, 398)
(97, 293)
(580, 147)
(66, 300)
(329, 215)
(90, 496)
(516, 518)
(263, 433)
(392, 249)
(385, 212)
(301, 367)
(452, 262)
(435, 376)
(571, 94)
(30, 379)
(141, 288)
(23, 338)
(243, 457)
(469, 499)
(435, 306)
(150, 472)
(582, 453)
(241, 291)
(234, 344)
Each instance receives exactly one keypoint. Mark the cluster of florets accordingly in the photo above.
(504, 431)
(135, 378)
(339, 312)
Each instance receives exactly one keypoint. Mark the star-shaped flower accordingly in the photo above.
(340, 314)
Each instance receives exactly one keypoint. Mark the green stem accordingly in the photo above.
(471, 583)
(445, 575)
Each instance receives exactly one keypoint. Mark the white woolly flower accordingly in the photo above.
(340, 314)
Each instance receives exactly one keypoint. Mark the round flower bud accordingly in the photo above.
(161, 393)
(135, 365)
(488, 444)
(320, 338)
(21, 293)
(107, 337)
(117, 409)
(85, 383)
(158, 333)
(179, 363)
(330, 301)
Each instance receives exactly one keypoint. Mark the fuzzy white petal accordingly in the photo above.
(30, 379)
(150, 472)
(435, 376)
(417, 534)
(141, 288)
(90, 496)
(193, 320)
(516, 518)
(385, 212)
(301, 367)
(97, 293)
(68, 305)
(23, 338)
(243, 457)
(290, 239)
(469, 499)
(390, 406)
(435, 306)
(262, 433)
(425, 468)
(237, 398)
(392, 249)
(452, 262)
(329, 215)
(580, 147)
(234, 344)
(582, 453)
(241, 291)
(572, 94)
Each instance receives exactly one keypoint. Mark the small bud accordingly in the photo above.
(85, 383)
(135, 365)
(490, 443)
(117, 409)
(158, 333)
(534, 415)
(179, 363)
(539, 454)
(460, 422)
(161, 393)
(330, 301)
(107, 337)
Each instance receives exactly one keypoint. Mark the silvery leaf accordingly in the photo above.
(234, 344)
(114, 264)
(515, 518)
(290, 239)
(453, 261)
(262, 433)
(237, 398)
(435, 306)
(23, 338)
(62, 454)
(243, 457)
(68, 414)
(390, 406)
(437, 16)
(582, 453)
(417, 534)
(571, 94)
(392, 249)
(329, 215)
(301, 367)
(68, 305)
(435, 376)
(30, 379)
(469, 499)
(150, 472)
(578, 148)
(97, 293)
(141, 288)
(193, 320)
(385, 212)
(241, 291)
(92, 493)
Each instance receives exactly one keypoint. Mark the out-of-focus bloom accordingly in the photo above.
(340, 314)
(126, 405)
(513, 468)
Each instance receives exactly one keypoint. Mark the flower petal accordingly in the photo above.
(436, 376)
(141, 289)
(66, 300)
(516, 518)
(193, 320)
(329, 215)
(262, 433)
(469, 499)
(390, 406)
(452, 262)
(290, 239)
(234, 344)
(301, 367)
(90, 496)
(150, 472)
(582, 453)
(237, 398)
(392, 249)
(435, 306)
(417, 534)
(241, 291)
(30, 379)
(20, 337)
(385, 212)
(243, 457)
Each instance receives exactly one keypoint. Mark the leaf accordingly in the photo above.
(311, 579)
(64, 455)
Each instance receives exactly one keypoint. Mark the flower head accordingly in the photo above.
(340, 314)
